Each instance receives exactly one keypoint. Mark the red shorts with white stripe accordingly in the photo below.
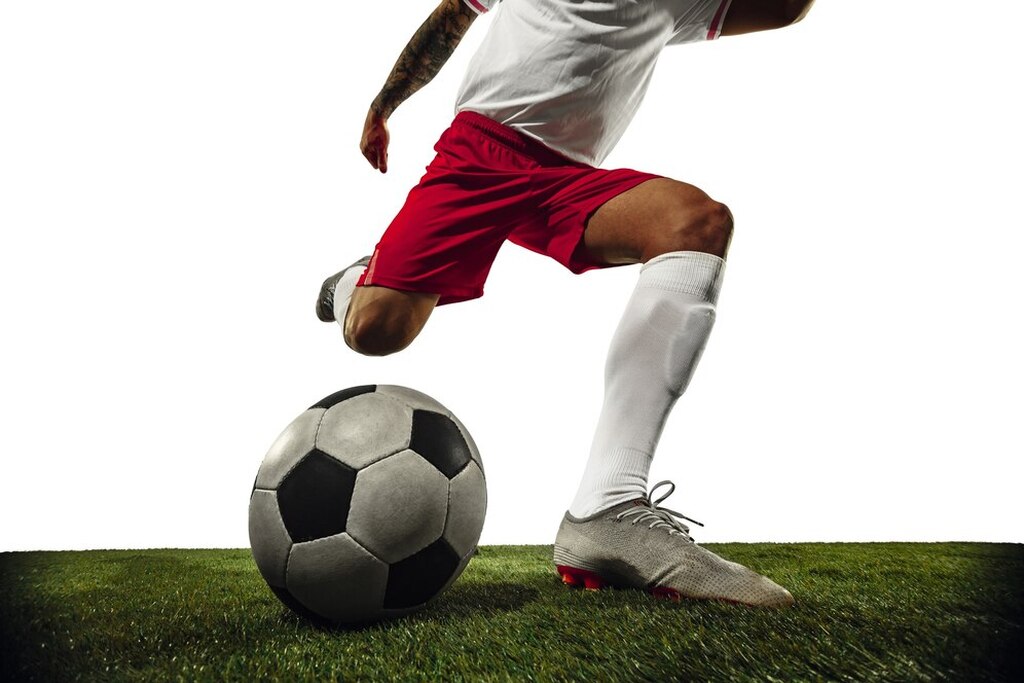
(487, 184)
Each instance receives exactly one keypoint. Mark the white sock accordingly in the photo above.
(343, 293)
(653, 354)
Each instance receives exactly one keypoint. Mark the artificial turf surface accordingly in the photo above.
(864, 612)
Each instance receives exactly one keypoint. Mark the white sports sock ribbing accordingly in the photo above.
(343, 293)
(652, 356)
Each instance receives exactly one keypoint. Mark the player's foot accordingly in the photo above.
(325, 302)
(639, 545)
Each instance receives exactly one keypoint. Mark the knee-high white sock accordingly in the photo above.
(343, 294)
(653, 354)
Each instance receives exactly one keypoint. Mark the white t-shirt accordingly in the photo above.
(572, 73)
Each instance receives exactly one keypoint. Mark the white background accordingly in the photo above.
(176, 178)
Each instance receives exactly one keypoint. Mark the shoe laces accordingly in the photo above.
(658, 516)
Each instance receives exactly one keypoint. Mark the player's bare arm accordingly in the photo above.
(748, 16)
(421, 60)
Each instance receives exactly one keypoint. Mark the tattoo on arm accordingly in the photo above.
(427, 51)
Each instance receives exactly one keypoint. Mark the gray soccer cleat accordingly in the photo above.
(639, 545)
(325, 302)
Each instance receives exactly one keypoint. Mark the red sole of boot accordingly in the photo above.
(591, 581)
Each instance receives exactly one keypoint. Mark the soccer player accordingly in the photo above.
(547, 95)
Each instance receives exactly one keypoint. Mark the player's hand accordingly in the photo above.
(374, 144)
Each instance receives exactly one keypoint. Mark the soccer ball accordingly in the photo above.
(368, 505)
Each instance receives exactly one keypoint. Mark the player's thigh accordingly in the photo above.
(655, 217)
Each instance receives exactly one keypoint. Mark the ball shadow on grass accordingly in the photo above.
(461, 601)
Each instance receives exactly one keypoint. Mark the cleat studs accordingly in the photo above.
(571, 576)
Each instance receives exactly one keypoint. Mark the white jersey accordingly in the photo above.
(572, 73)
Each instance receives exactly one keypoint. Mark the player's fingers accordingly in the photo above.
(382, 160)
(369, 154)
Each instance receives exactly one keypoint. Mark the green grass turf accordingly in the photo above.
(865, 612)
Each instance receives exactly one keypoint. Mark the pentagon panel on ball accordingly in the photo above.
(367, 506)
(314, 497)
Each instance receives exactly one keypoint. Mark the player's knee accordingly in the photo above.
(793, 11)
(706, 226)
(719, 222)
(377, 334)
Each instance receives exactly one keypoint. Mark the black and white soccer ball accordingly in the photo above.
(368, 505)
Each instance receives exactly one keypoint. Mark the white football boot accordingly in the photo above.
(640, 545)
(325, 300)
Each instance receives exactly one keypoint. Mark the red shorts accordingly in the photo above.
(487, 184)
